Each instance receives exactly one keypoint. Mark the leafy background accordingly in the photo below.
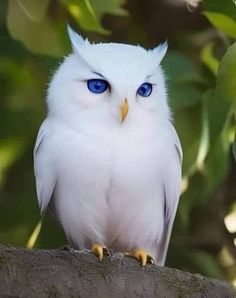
(201, 75)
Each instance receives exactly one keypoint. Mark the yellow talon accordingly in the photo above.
(142, 256)
(100, 250)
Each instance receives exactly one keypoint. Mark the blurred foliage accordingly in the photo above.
(201, 76)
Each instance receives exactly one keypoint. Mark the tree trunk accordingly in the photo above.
(69, 273)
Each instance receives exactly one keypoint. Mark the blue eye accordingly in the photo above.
(145, 90)
(97, 85)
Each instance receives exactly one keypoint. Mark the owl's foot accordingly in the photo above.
(142, 256)
(100, 250)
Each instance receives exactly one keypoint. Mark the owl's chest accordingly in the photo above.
(120, 176)
(121, 153)
(116, 163)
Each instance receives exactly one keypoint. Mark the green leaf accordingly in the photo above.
(10, 150)
(181, 77)
(225, 84)
(22, 28)
(34, 9)
(84, 14)
(217, 111)
(102, 7)
(188, 124)
(216, 167)
(222, 22)
(204, 140)
(209, 59)
(226, 7)
(234, 148)
(180, 67)
(88, 13)
(182, 95)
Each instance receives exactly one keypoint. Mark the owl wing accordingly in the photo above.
(172, 181)
(43, 169)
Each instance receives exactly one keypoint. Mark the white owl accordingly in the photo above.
(107, 158)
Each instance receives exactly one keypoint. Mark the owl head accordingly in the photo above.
(109, 82)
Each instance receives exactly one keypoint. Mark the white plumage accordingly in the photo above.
(109, 181)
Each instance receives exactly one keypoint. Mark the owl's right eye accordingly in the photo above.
(97, 85)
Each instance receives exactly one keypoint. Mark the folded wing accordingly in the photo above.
(172, 181)
(43, 169)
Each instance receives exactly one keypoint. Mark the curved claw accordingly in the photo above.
(100, 251)
(142, 256)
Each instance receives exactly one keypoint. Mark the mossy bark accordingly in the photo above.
(69, 273)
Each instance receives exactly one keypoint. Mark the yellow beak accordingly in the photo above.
(124, 108)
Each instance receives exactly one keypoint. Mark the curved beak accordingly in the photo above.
(124, 108)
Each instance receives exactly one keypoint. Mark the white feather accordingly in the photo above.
(76, 40)
(160, 51)
(43, 169)
(113, 183)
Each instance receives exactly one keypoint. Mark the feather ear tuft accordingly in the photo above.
(160, 51)
(76, 40)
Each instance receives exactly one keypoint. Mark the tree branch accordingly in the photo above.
(69, 273)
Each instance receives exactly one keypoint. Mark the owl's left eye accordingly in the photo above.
(145, 90)
(97, 85)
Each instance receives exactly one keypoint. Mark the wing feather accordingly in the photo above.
(43, 169)
(172, 181)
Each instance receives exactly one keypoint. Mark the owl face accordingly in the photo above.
(109, 80)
